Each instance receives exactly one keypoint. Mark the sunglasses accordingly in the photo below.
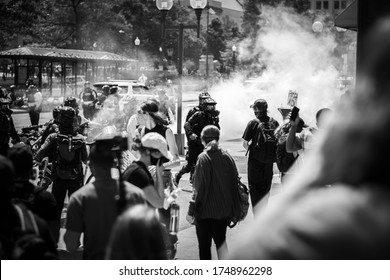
(141, 112)
(155, 151)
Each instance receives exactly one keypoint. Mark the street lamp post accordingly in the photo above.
(137, 42)
(164, 6)
(198, 6)
(234, 49)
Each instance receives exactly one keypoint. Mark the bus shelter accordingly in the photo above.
(61, 72)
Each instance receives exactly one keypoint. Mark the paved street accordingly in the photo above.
(188, 246)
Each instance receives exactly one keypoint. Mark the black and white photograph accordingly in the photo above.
(159, 131)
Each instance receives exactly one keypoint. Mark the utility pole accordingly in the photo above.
(179, 137)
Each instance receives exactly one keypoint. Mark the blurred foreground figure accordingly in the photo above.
(137, 235)
(350, 219)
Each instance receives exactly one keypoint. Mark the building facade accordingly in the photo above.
(332, 6)
(234, 9)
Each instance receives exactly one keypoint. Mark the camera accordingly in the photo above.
(117, 143)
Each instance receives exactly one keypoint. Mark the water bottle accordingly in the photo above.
(174, 219)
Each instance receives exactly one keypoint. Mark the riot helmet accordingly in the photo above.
(209, 104)
(202, 97)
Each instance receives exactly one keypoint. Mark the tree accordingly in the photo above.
(216, 38)
(20, 15)
(250, 17)
(80, 23)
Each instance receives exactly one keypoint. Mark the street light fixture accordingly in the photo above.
(317, 27)
(234, 49)
(164, 6)
(137, 42)
(198, 6)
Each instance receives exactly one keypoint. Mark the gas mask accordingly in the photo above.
(210, 108)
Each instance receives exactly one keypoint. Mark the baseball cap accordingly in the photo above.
(155, 141)
(21, 157)
(260, 103)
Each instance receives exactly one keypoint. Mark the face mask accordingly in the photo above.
(260, 113)
(153, 160)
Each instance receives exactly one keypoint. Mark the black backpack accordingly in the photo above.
(28, 243)
(68, 156)
(284, 160)
(264, 145)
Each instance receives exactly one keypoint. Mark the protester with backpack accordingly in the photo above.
(67, 151)
(260, 142)
(216, 198)
(23, 235)
(37, 199)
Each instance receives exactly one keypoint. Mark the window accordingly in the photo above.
(336, 5)
(343, 4)
(326, 5)
(319, 5)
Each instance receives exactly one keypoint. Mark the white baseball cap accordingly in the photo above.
(155, 141)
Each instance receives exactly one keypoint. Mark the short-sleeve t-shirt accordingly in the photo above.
(138, 174)
(252, 128)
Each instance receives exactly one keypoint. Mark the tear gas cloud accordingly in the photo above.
(295, 58)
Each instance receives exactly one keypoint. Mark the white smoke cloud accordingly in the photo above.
(296, 59)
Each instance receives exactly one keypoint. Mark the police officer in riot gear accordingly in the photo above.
(89, 98)
(207, 115)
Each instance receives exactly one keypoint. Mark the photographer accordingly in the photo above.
(93, 209)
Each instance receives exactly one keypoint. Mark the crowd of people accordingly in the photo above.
(94, 205)
(336, 204)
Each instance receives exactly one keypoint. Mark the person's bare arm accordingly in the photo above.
(245, 144)
(292, 143)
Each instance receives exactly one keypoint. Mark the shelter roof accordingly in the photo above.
(62, 54)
